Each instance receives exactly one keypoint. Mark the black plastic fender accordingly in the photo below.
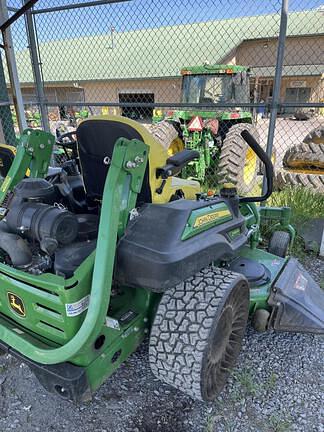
(152, 254)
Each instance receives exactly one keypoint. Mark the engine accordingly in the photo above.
(48, 226)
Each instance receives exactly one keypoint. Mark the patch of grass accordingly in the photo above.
(247, 382)
(210, 424)
(271, 382)
(230, 426)
(322, 284)
(298, 250)
(3, 368)
(278, 424)
(305, 204)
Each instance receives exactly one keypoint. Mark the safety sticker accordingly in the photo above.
(74, 309)
(112, 323)
(5, 184)
(301, 282)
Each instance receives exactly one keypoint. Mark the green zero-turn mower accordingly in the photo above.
(111, 247)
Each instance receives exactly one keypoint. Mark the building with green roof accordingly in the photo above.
(144, 65)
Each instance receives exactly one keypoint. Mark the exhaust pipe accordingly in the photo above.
(17, 249)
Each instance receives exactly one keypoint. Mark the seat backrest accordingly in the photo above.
(96, 140)
(7, 155)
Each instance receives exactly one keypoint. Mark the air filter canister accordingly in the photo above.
(38, 221)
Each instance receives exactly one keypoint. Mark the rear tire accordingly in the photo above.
(315, 136)
(232, 166)
(279, 243)
(305, 156)
(197, 332)
(290, 178)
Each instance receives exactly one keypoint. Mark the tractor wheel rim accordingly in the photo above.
(249, 166)
(219, 363)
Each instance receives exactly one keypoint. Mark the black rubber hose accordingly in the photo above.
(17, 249)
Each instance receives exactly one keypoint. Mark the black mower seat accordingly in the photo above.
(96, 140)
(7, 155)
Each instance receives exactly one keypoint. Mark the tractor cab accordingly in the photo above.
(214, 129)
(215, 84)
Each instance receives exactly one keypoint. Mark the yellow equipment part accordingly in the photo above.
(176, 146)
(249, 166)
(302, 170)
(7, 155)
(300, 166)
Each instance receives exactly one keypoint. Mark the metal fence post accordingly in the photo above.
(35, 61)
(277, 82)
(7, 130)
(12, 69)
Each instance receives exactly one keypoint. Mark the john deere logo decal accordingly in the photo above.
(211, 217)
(16, 304)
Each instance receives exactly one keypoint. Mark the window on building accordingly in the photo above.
(135, 112)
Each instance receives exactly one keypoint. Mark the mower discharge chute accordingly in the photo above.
(112, 246)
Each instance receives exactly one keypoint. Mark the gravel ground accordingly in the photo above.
(277, 386)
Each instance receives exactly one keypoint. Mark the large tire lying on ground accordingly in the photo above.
(286, 178)
(197, 332)
(305, 156)
(166, 134)
(238, 163)
(315, 136)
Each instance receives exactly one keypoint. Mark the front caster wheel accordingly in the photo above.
(279, 244)
(260, 320)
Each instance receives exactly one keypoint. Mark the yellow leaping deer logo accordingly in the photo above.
(16, 304)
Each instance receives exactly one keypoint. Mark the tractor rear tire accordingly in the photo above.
(197, 332)
(232, 166)
(290, 178)
(279, 243)
(166, 134)
(315, 136)
(305, 156)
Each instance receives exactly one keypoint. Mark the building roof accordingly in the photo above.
(157, 52)
(210, 69)
(290, 70)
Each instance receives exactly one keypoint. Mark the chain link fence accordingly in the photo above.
(195, 73)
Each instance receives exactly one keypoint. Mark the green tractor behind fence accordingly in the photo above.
(214, 131)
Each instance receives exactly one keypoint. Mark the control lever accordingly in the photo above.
(174, 165)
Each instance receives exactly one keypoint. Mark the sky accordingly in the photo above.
(141, 14)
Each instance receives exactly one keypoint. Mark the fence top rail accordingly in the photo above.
(77, 6)
(186, 105)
